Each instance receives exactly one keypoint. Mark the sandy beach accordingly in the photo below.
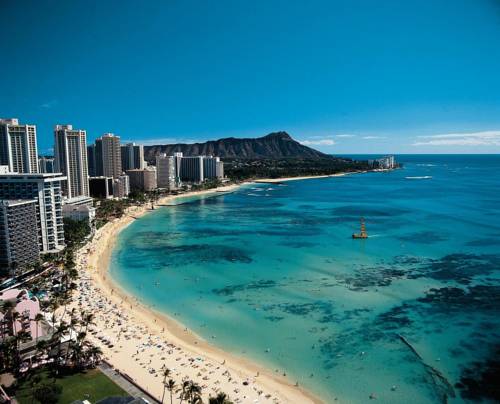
(144, 341)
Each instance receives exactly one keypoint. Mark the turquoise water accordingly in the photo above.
(271, 273)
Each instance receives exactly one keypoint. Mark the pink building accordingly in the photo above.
(27, 307)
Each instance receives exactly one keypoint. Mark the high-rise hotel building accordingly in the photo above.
(46, 164)
(165, 172)
(132, 156)
(105, 157)
(70, 147)
(200, 168)
(192, 169)
(46, 190)
(111, 155)
(18, 235)
(18, 149)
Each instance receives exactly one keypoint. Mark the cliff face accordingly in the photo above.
(273, 146)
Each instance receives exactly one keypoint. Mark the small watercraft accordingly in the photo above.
(362, 233)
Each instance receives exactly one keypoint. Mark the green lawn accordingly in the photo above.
(92, 385)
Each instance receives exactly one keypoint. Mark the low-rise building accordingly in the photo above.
(28, 307)
(143, 180)
(101, 187)
(79, 212)
(121, 186)
(79, 208)
(19, 247)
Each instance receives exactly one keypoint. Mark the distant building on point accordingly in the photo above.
(386, 163)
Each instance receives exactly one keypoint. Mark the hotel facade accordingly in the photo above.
(46, 190)
(18, 235)
(18, 147)
(70, 146)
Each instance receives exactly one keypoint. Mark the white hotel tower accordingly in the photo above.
(70, 147)
(18, 149)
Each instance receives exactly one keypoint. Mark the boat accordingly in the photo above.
(362, 233)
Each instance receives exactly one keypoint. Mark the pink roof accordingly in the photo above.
(26, 307)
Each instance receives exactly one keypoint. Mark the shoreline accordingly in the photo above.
(261, 383)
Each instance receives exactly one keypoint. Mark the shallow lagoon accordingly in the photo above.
(270, 272)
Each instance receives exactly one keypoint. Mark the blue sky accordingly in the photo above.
(352, 76)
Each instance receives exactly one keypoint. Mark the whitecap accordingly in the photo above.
(423, 177)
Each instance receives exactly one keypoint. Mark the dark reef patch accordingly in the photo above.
(364, 211)
(458, 268)
(461, 268)
(368, 276)
(274, 318)
(423, 237)
(290, 231)
(298, 244)
(484, 242)
(231, 289)
(474, 299)
(323, 308)
(180, 255)
(481, 380)
(395, 319)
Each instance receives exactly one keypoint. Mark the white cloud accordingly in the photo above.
(345, 135)
(162, 141)
(319, 142)
(374, 137)
(49, 104)
(486, 138)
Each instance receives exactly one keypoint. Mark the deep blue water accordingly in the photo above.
(271, 273)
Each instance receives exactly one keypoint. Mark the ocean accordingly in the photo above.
(271, 273)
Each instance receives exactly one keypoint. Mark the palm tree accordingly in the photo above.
(166, 373)
(39, 317)
(95, 354)
(76, 355)
(184, 392)
(7, 308)
(14, 316)
(54, 304)
(222, 398)
(192, 392)
(60, 330)
(8, 353)
(88, 319)
(41, 347)
(170, 387)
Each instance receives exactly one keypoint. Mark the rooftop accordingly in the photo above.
(35, 176)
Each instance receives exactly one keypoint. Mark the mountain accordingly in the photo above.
(273, 146)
